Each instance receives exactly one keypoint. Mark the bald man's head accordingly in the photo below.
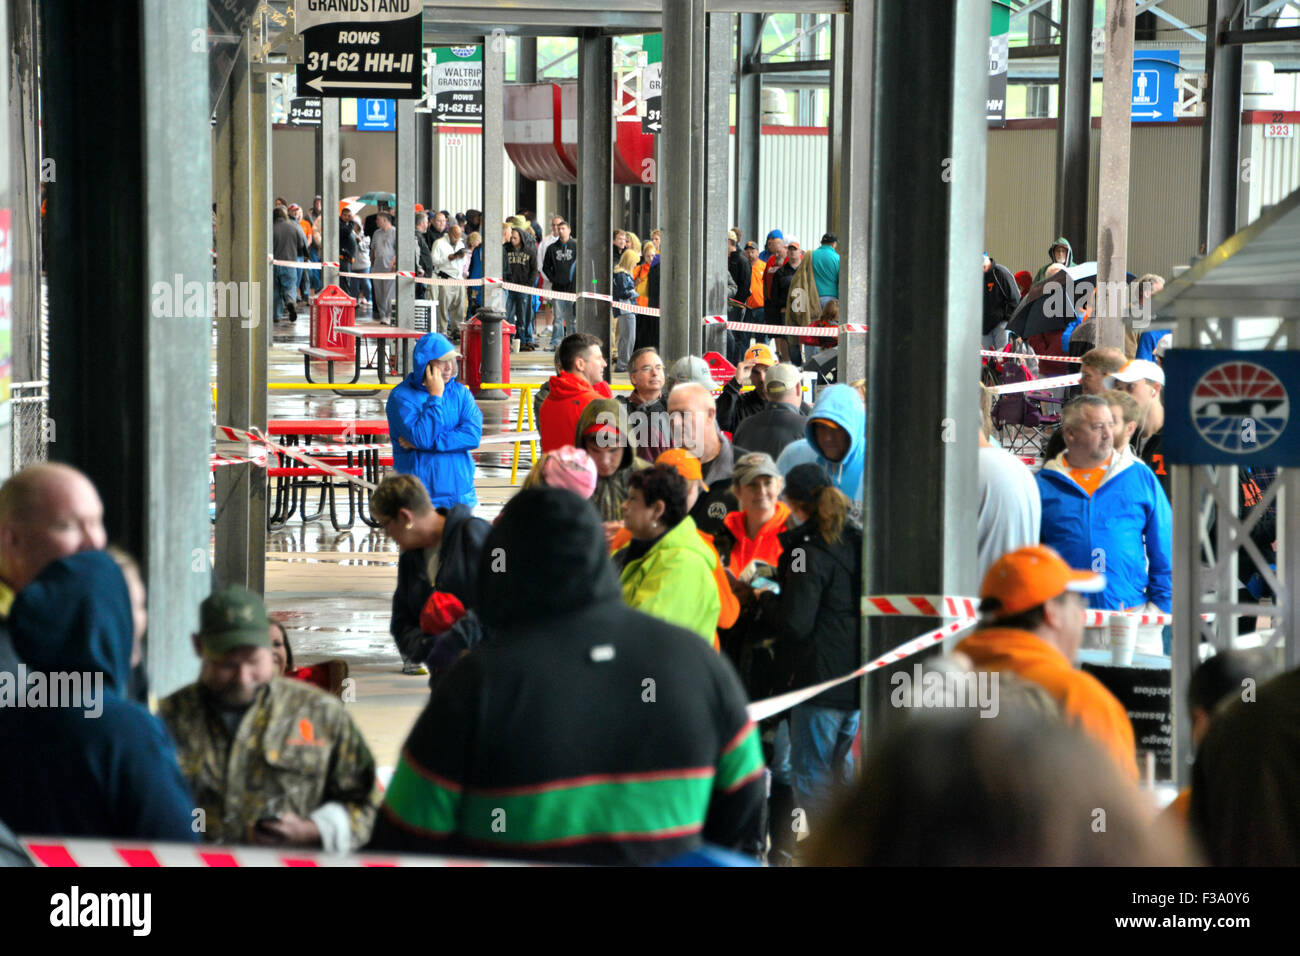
(47, 512)
(692, 404)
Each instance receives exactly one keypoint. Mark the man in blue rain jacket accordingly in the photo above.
(435, 424)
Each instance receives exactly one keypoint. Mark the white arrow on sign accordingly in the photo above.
(319, 84)
(654, 126)
(1153, 114)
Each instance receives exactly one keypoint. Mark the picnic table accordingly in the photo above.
(371, 331)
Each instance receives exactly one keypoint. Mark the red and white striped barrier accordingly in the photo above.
(762, 709)
(1038, 384)
(825, 331)
(255, 437)
(65, 852)
(939, 605)
(1019, 357)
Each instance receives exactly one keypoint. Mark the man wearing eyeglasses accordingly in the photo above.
(647, 411)
(1104, 509)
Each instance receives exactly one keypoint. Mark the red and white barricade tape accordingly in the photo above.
(1037, 385)
(1020, 357)
(938, 605)
(62, 851)
(824, 331)
(255, 437)
(762, 709)
(295, 264)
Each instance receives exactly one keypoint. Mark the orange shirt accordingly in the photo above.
(1084, 702)
(1089, 479)
(730, 604)
(755, 300)
(763, 547)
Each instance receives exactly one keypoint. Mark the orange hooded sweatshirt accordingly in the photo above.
(764, 547)
(1084, 702)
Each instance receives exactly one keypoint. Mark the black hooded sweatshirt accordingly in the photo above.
(574, 691)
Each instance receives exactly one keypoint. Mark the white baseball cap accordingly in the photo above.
(1136, 370)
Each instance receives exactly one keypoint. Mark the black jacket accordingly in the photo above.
(521, 263)
(739, 268)
(649, 425)
(347, 245)
(458, 557)
(423, 254)
(558, 267)
(1001, 296)
(734, 406)
(574, 684)
(774, 304)
(652, 286)
(773, 428)
(820, 614)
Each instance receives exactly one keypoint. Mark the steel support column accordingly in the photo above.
(1113, 174)
(407, 252)
(129, 352)
(853, 116)
(749, 126)
(1073, 110)
(595, 183)
(24, 195)
(425, 162)
(329, 188)
(494, 169)
(676, 169)
(714, 212)
(526, 72)
(919, 533)
(840, 65)
(1221, 129)
(242, 185)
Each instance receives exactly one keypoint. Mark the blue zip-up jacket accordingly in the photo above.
(443, 429)
(1127, 524)
(841, 405)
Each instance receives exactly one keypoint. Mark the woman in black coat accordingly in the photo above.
(817, 631)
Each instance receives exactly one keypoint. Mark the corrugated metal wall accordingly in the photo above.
(1274, 170)
(1164, 197)
(792, 185)
(460, 173)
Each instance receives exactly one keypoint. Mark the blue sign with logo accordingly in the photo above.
(1231, 408)
(1155, 90)
(376, 115)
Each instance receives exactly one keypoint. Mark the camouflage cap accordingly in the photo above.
(230, 618)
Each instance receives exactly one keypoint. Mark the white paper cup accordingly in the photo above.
(1123, 639)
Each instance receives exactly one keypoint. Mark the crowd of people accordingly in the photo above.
(673, 556)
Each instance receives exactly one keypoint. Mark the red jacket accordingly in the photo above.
(569, 395)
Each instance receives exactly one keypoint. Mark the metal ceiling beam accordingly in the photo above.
(791, 66)
(1245, 37)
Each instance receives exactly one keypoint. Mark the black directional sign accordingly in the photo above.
(652, 84)
(361, 48)
(304, 111)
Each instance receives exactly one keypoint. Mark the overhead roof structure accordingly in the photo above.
(1254, 273)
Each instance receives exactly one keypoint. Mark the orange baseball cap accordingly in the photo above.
(687, 465)
(760, 355)
(419, 208)
(1031, 576)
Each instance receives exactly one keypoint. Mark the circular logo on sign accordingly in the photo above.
(717, 510)
(463, 51)
(1240, 407)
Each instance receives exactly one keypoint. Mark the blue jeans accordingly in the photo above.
(314, 276)
(780, 764)
(519, 313)
(562, 321)
(821, 742)
(285, 279)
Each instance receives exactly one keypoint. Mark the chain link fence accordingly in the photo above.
(30, 401)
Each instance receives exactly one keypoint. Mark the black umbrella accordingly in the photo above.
(1046, 308)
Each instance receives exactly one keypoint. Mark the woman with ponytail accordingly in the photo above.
(818, 628)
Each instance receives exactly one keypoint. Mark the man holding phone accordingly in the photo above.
(435, 424)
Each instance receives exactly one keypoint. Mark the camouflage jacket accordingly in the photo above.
(296, 749)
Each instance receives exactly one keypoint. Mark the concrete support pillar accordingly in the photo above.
(123, 344)
(922, 413)
(1074, 118)
(329, 188)
(749, 126)
(715, 214)
(494, 169)
(1113, 175)
(1221, 130)
(426, 193)
(407, 248)
(678, 285)
(853, 50)
(595, 183)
